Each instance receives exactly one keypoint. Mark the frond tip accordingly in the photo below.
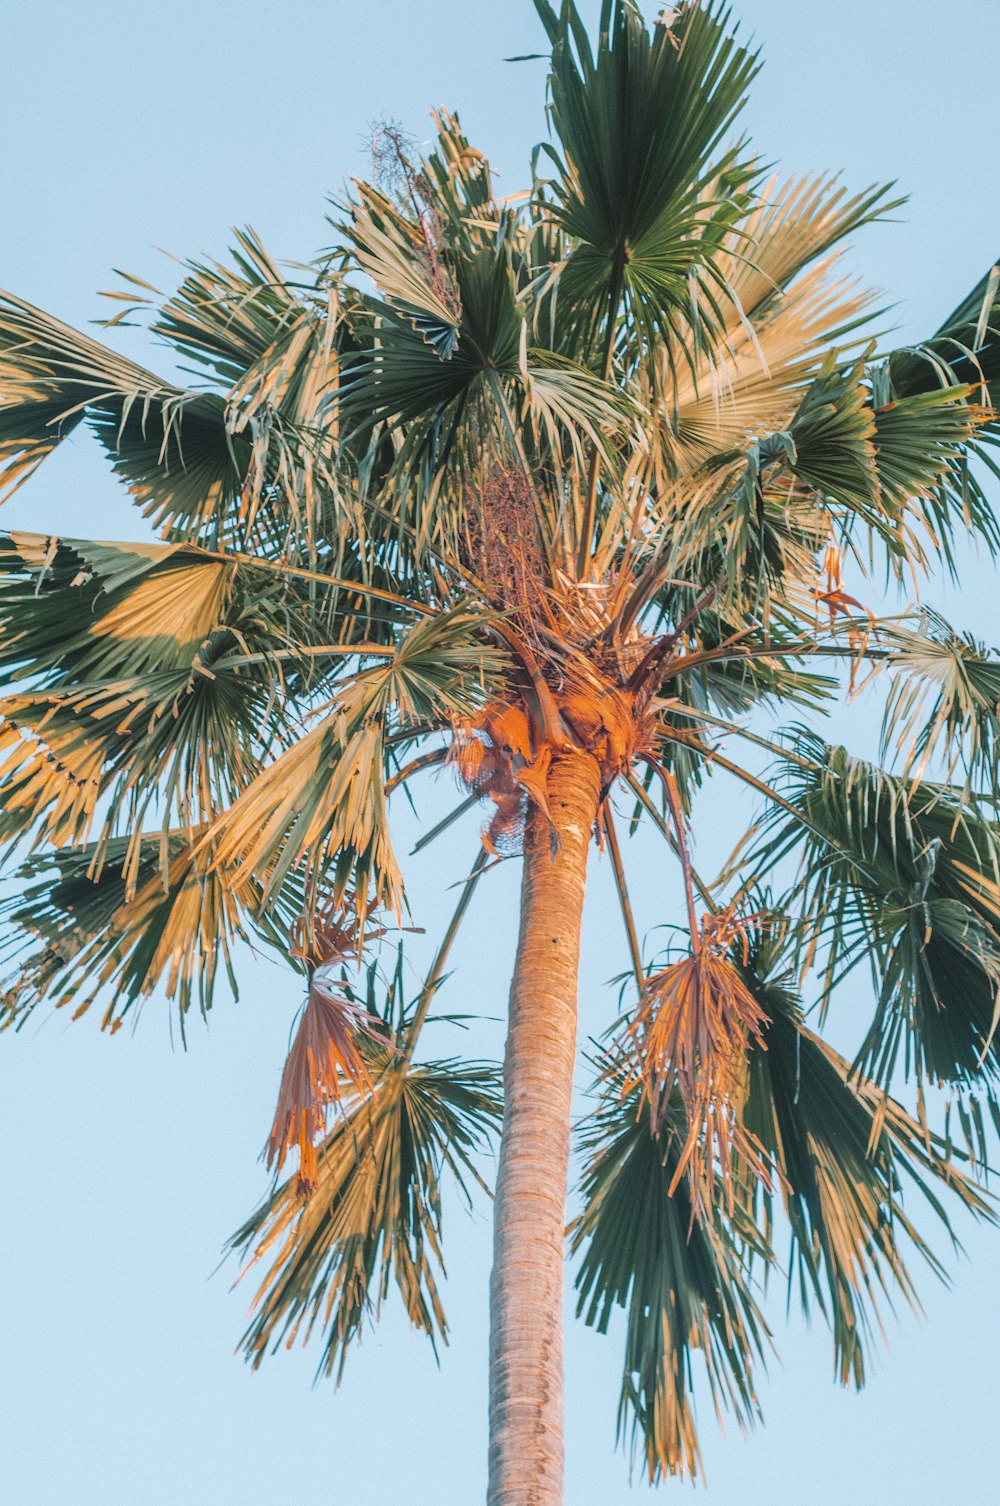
(694, 1024)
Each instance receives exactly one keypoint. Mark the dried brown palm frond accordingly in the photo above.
(326, 1052)
(604, 723)
(332, 936)
(695, 1021)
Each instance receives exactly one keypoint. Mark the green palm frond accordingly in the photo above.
(75, 611)
(150, 676)
(639, 192)
(237, 462)
(684, 1283)
(399, 254)
(320, 807)
(833, 433)
(943, 705)
(966, 347)
(275, 344)
(242, 322)
(171, 447)
(917, 439)
(449, 352)
(751, 535)
(734, 685)
(330, 1258)
(904, 875)
(850, 1161)
(922, 445)
(122, 920)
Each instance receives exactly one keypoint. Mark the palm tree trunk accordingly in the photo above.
(526, 1287)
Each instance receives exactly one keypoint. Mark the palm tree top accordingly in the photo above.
(618, 469)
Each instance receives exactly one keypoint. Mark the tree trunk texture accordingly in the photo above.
(526, 1286)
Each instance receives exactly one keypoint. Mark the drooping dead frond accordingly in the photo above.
(604, 723)
(695, 1021)
(326, 1051)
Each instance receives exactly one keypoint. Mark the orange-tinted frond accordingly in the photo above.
(325, 1053)
(691, 1031)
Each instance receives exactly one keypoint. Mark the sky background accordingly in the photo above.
(127, 1163)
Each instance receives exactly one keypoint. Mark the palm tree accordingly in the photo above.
(559, 492)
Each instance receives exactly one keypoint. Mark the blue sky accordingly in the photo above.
(129, 125)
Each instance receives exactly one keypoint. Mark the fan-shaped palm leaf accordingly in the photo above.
(901, 874)
(373, 1218)
(638, 193)
(126, 919)
(846, 1155)
(684, 1282)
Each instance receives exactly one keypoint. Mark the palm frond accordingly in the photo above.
(944, 702)
(684, 1282)
(922, 446)
(121, 920)
(171, 447)
(693, 1027)
(373, 1219)
(966, 347)
(75, 610)
(901, 873)
(639, 192)
(794, 224)
(449, 364)
(320, 807)
(142, 689)
(850, 1160)
(833, 432)
(326, 1051)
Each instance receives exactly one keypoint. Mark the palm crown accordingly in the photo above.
(528, 486)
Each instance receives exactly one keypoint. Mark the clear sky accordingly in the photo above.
(128, 125)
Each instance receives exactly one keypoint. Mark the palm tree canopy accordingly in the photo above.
(488, 480)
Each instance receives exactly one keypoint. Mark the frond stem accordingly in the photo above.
(551, 727)
(623, 897)
(433, 978)
(747, 735)
(607, 357)
(650, 662)
(642, 795)
(805, 648)
(677, 815)
(425, 761)
(254, 562)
